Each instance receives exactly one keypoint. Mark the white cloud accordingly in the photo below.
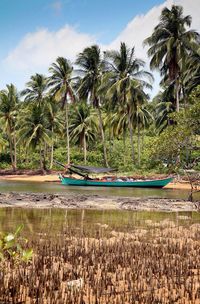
(141, 26)
(39, 49)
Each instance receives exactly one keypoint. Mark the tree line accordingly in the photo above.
(103, 95)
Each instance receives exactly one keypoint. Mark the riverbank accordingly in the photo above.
(76, 201)
(54, 178)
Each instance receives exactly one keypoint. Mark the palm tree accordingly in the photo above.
(83, 128)
(143, 119)
(90, 64)
(170, 44)
(33, 130)
(36, 89)
(54, 123)
(191, 75)
(61, 81)
(8, 112)
(123, 81)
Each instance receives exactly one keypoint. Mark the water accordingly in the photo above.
(53, 221)
(50, 187)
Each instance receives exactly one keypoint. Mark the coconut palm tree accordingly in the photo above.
(83, 127)
(90, 64)
(55, 123)
(191, 75)
(36, 89)
(170, 43)
(9, 100)
(34, 131)
(124, 81)
(143, 120)
(61, 82)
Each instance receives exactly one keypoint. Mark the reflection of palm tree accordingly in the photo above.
(90, 64)
(8, 102)
(61, 81)
(83, 126)
(170, 44)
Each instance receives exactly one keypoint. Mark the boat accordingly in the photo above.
(107, 181)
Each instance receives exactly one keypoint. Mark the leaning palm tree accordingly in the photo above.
(8, 114)
(84, 127)
(90, 64)
(123, 81)
(169, 45)
(61, 83)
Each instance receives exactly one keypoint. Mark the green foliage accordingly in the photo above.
(13, 247)
(100, 111)
(177, 144)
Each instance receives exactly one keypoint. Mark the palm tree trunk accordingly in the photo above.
(131, 136)
(15, 151)
(41, 163)
(142, 148)
(11, 154)
(177, 94)
(138, 144)
(52, 149)
(102, 136)
(85, 149)
(124, 144)
(11, 151)
(67, 131)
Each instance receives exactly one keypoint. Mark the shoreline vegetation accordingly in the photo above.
(98, 111)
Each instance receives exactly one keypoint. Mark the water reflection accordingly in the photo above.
(51, 221)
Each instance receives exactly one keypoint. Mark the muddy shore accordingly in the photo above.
(76, 201)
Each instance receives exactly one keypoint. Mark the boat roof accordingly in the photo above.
(89, 169)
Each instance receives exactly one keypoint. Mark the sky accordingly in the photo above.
(33, 33)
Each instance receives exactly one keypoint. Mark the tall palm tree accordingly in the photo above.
(9, 100)
(123, 81)
(36, 89)
(143, 120)
(90, 63)
(169, 45)
(61, 82)
(83, 128)
(55, 123)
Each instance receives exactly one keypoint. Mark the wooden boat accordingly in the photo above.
(83, 171)
(156, 183)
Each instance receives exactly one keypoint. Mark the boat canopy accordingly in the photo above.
(87, 169)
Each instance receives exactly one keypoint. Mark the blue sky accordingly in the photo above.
(105, 18)
(34, 32)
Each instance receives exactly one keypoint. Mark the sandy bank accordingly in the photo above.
(54, 178)
(74, 201)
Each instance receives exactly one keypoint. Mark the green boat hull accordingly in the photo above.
(157, 183)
